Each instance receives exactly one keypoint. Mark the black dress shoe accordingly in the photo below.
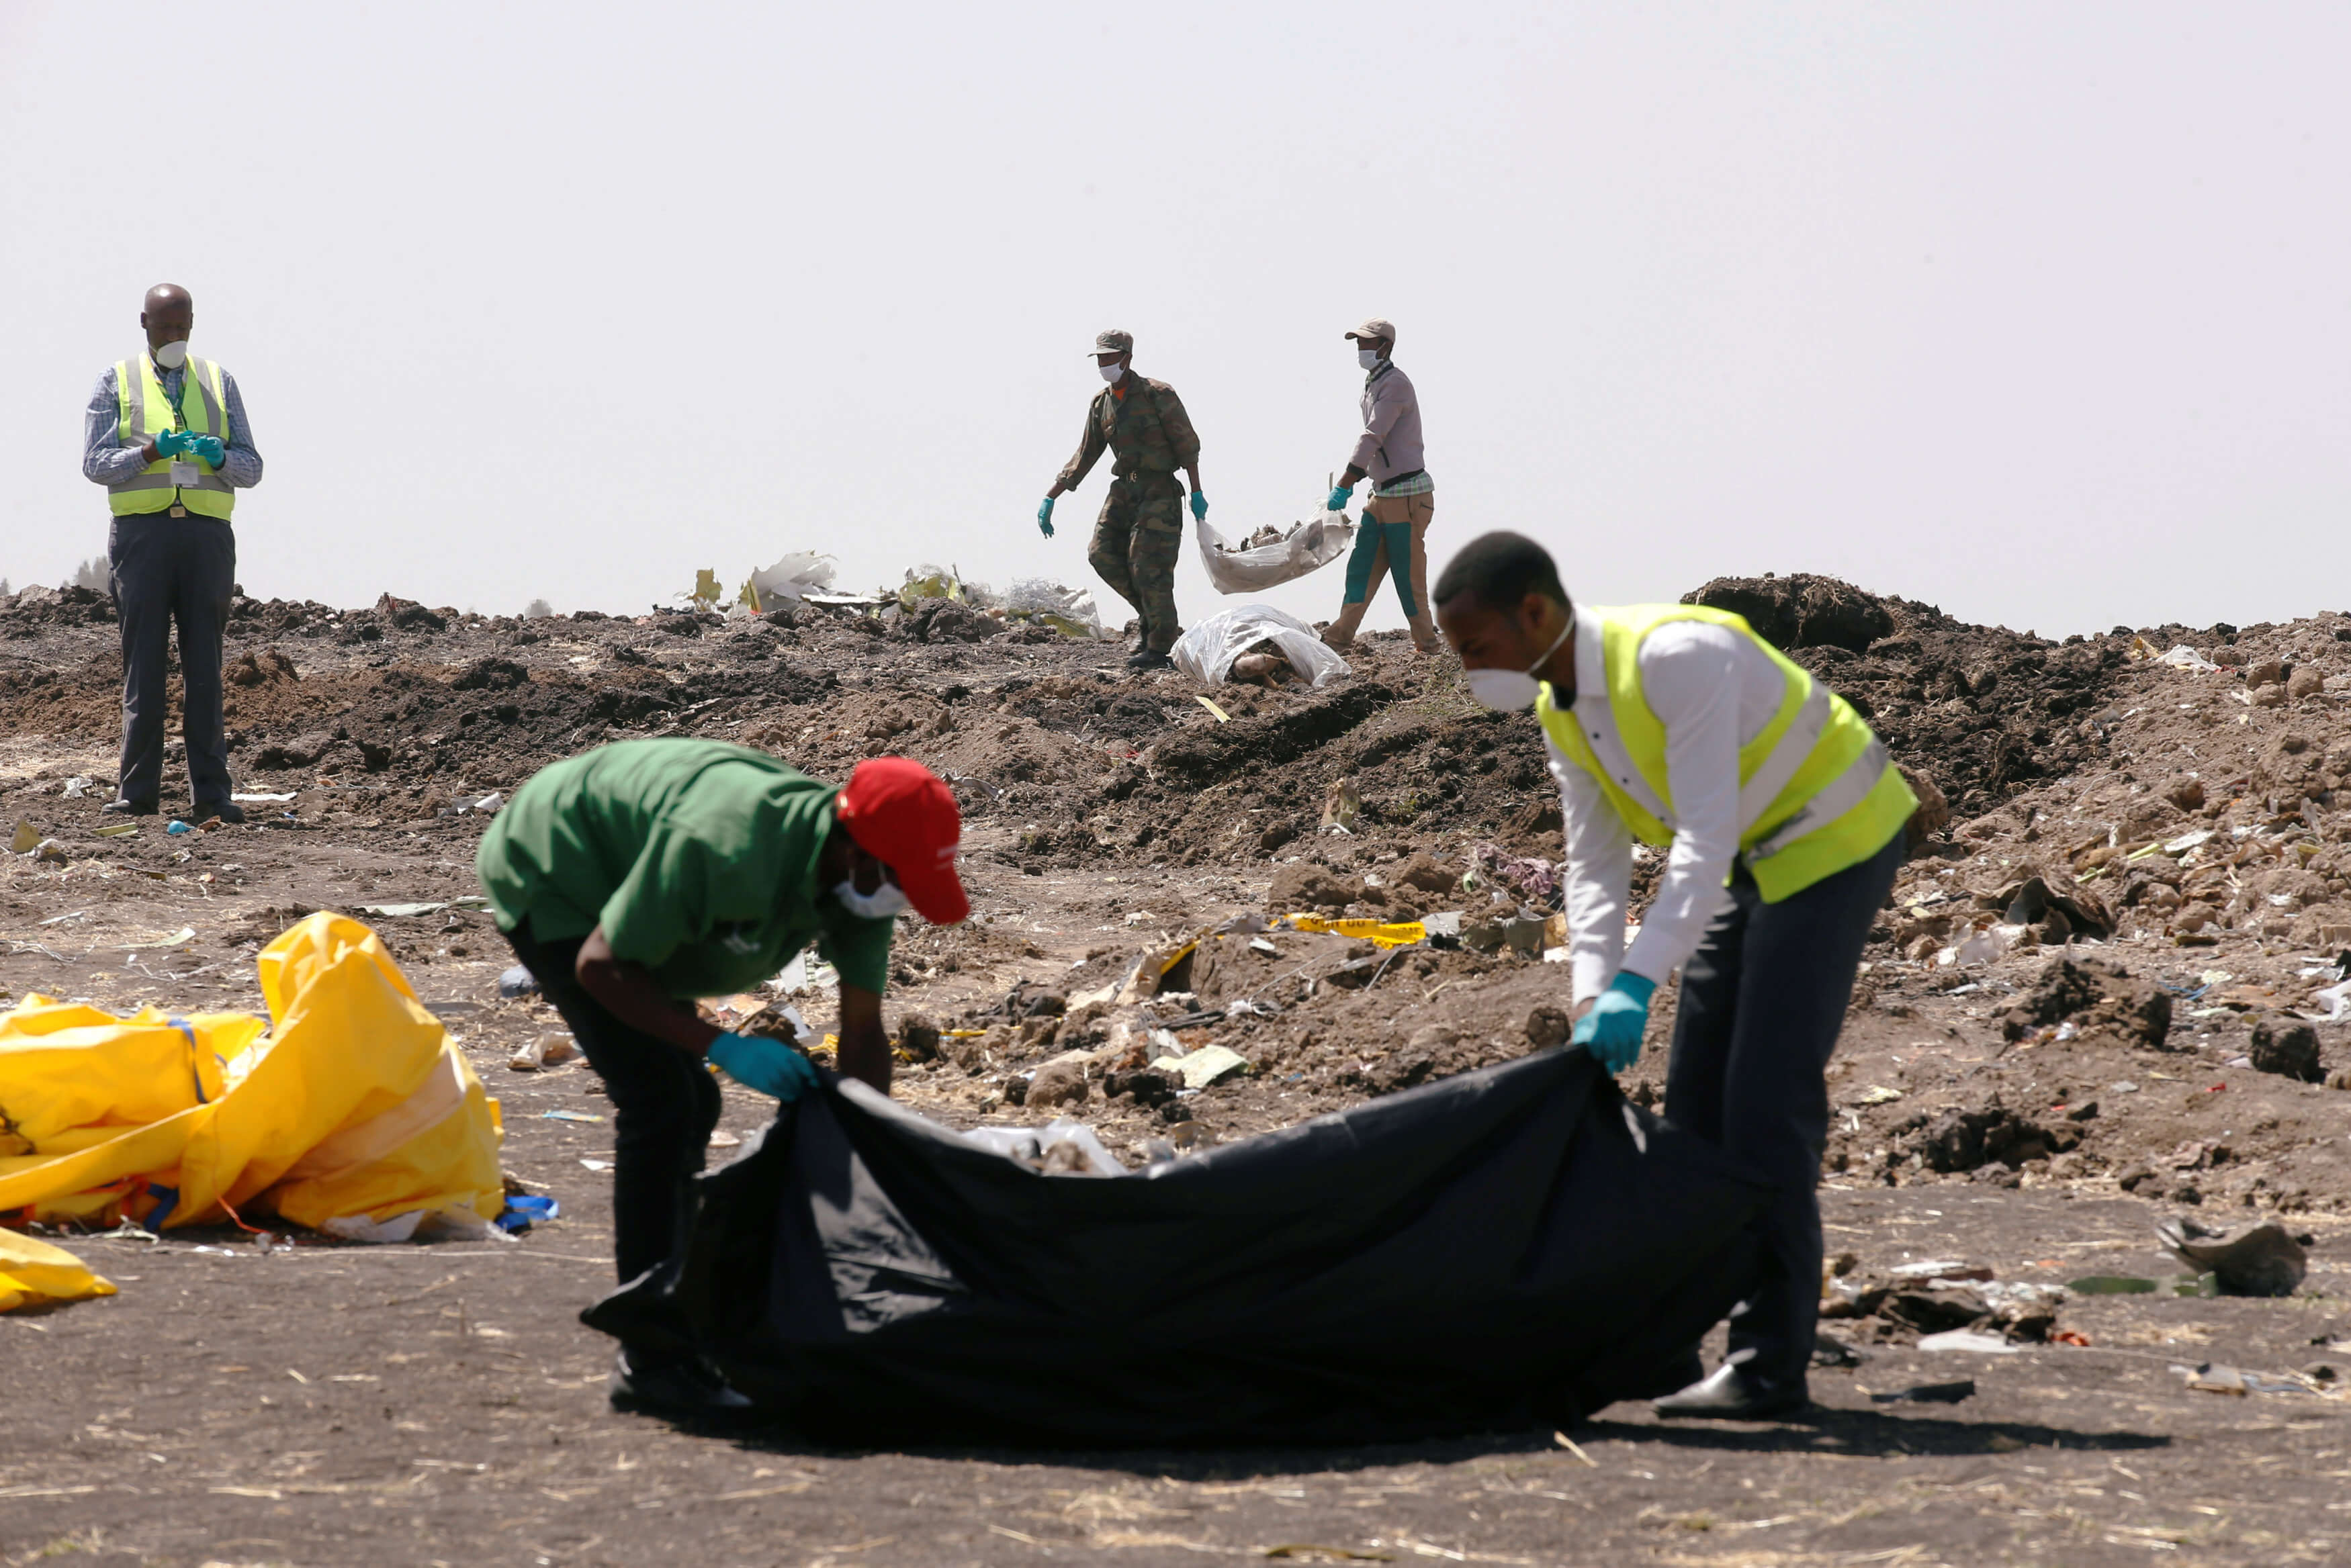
(683, 1387)
(129, 807)
(1146, 659)
(226, 810)
(1732, 1395)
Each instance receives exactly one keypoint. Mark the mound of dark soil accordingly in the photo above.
(1980, 712)
(1800, 610)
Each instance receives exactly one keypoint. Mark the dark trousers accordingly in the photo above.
(665, 1105)
(168, 569)
(1761, 1003)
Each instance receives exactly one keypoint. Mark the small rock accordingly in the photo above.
(2340, 1079)
(1149, 1086)
(2095, 996)
(2271, 696)
(1548, 1025)
(918, 1037)
(2287, 1046)
(2187, 794)
(1309, 887)
(2264, 672)
(2304, 683)
(1425, 875)
(1016, 1090)
(2133, 1177)
(1058, 1082)
(1933, 815)
(2258, 1261)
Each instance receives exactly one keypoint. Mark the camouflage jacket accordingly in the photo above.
(1146, 430)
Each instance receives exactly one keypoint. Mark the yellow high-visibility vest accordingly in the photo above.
(145, 413)
(1817, 791)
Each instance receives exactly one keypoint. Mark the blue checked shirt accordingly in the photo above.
(106, 461)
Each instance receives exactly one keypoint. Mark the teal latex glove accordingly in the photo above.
(1199, 507)
(1611, 1030)
(768, 1065)
(1339, 495)
(1045, 517)
(209, 448)
(171, 444)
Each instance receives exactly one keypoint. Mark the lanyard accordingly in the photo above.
(179, 403)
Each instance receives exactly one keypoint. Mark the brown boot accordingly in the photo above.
(1423, 634)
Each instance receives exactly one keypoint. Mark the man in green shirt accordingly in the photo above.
(641, 874)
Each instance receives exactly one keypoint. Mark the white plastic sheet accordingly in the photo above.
(1031, 1143)
(798, 575)
(1316, 543)
(1070, 611)
(1206, 652)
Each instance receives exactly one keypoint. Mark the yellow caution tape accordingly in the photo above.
(1179, 955)
(1400, 934)
(963, 1034)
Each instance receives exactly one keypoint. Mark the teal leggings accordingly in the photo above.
(1369, 537)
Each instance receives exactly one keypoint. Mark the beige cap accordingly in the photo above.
(1114, 342)
(1376, 327)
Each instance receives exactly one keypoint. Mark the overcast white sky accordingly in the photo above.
(2039, 312)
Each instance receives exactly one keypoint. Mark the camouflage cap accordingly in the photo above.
(1113, 342)
(1375, 327)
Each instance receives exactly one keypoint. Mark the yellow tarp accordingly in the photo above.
(33, 1271)
(353, 1105)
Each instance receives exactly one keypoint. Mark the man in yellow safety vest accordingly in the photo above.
(1784, 816)
(166, 434)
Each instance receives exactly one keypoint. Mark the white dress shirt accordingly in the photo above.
(1714, 691)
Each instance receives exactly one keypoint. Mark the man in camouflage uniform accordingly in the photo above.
(1142, 424)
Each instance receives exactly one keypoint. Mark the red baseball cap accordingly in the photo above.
(904, 816)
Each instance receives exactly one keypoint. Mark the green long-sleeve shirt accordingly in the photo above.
(697, 858)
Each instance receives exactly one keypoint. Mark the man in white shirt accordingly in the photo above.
(1783, 820)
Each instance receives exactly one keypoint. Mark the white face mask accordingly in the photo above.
(1508, 691)
(884, 901)
(172, 355)
(1369, 358)
(1111, 373)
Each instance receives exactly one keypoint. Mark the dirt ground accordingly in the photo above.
(2142, 877)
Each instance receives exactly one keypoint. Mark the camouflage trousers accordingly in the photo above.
(1133, 550)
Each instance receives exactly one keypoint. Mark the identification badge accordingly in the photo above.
(185, 472)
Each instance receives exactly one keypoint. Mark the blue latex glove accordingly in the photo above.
(1045, 517)
(768, 1065)
(1339, 495)
(171, 444)
(1611, 1030)
(1199, 507)
(207, 447)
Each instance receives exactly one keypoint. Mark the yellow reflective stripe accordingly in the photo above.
(210, 405)
(132, 425)
(1841, 794)
(1788, 753)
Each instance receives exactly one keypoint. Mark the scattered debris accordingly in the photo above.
(2259, 1259)
(1929, 1393)
(547, 1051)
